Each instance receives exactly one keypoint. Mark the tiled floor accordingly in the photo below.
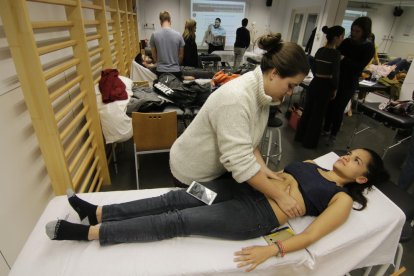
(154, 171)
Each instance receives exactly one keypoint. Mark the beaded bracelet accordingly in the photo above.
(281, 248)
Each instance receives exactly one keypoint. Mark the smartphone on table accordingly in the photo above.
(201, 192)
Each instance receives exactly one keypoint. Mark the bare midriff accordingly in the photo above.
(294, 192)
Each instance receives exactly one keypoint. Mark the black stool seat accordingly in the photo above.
(252, 60)
(210, 57)
(274, 122)
(388, 118)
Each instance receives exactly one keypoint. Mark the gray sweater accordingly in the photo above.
(224, 134)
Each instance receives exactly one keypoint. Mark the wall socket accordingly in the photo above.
(149, 26)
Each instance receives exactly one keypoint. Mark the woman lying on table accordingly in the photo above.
(239, 212)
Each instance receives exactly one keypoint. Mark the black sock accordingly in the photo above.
(64, 230)
(83, 208)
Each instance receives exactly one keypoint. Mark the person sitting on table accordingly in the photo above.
(239, 212)
(167, 48)
(321, 89)
(217, 36)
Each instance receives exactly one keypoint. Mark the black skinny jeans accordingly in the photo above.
(336, 108)
(318, 96)
(239, 212)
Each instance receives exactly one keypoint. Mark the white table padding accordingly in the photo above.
(116, 125)
(177, 256)
(368, 237)
(140, 73)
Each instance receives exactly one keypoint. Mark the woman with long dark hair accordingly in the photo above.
(357, 51)
(322, 88)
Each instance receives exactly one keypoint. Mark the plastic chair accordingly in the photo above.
(153, 133)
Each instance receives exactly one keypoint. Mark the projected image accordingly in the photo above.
(206, 11)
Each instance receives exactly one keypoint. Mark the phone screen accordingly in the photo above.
(201, 193)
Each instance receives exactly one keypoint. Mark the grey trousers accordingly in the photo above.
(239, 212)
(238, 56)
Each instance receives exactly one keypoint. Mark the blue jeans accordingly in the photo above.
(239, 212)
(407, 172)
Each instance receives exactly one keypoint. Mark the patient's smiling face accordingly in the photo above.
(353, 166)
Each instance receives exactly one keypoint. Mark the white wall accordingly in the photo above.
(25, 186)
(397, 41)
(267, 19)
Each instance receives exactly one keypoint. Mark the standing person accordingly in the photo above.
(167, 47)
(407, 173)
(217, 37)
(241, 43)
(190, 48)
(357, 51)
(322, 88)
(225, 134)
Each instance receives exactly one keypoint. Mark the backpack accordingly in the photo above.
(222, 77)
(189, 94)
(402, 108)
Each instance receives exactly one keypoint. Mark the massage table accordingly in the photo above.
(140, 73)
(370, 108)
(369, 237)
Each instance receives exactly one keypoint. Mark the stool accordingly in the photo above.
(273, 123)
(207, 59)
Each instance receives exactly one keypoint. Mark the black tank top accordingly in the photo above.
(316, 190)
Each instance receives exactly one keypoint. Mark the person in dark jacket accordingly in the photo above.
(357, 51)
(241, 43)
(322, 88)
(190, 48)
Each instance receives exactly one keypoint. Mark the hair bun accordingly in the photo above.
(270, 42)
(325, 29)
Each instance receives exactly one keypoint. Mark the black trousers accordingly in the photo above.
(318, 96)
(336, 108)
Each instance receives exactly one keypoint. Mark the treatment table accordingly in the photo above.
(369, 237)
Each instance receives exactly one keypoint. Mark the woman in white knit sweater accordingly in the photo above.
(225, 135)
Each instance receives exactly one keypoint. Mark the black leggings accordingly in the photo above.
(318, 97)
(336, 108)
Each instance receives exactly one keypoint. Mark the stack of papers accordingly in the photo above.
(366, 82)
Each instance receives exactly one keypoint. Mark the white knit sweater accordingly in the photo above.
(224, 134)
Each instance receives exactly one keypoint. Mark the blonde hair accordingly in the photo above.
(189, 30)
